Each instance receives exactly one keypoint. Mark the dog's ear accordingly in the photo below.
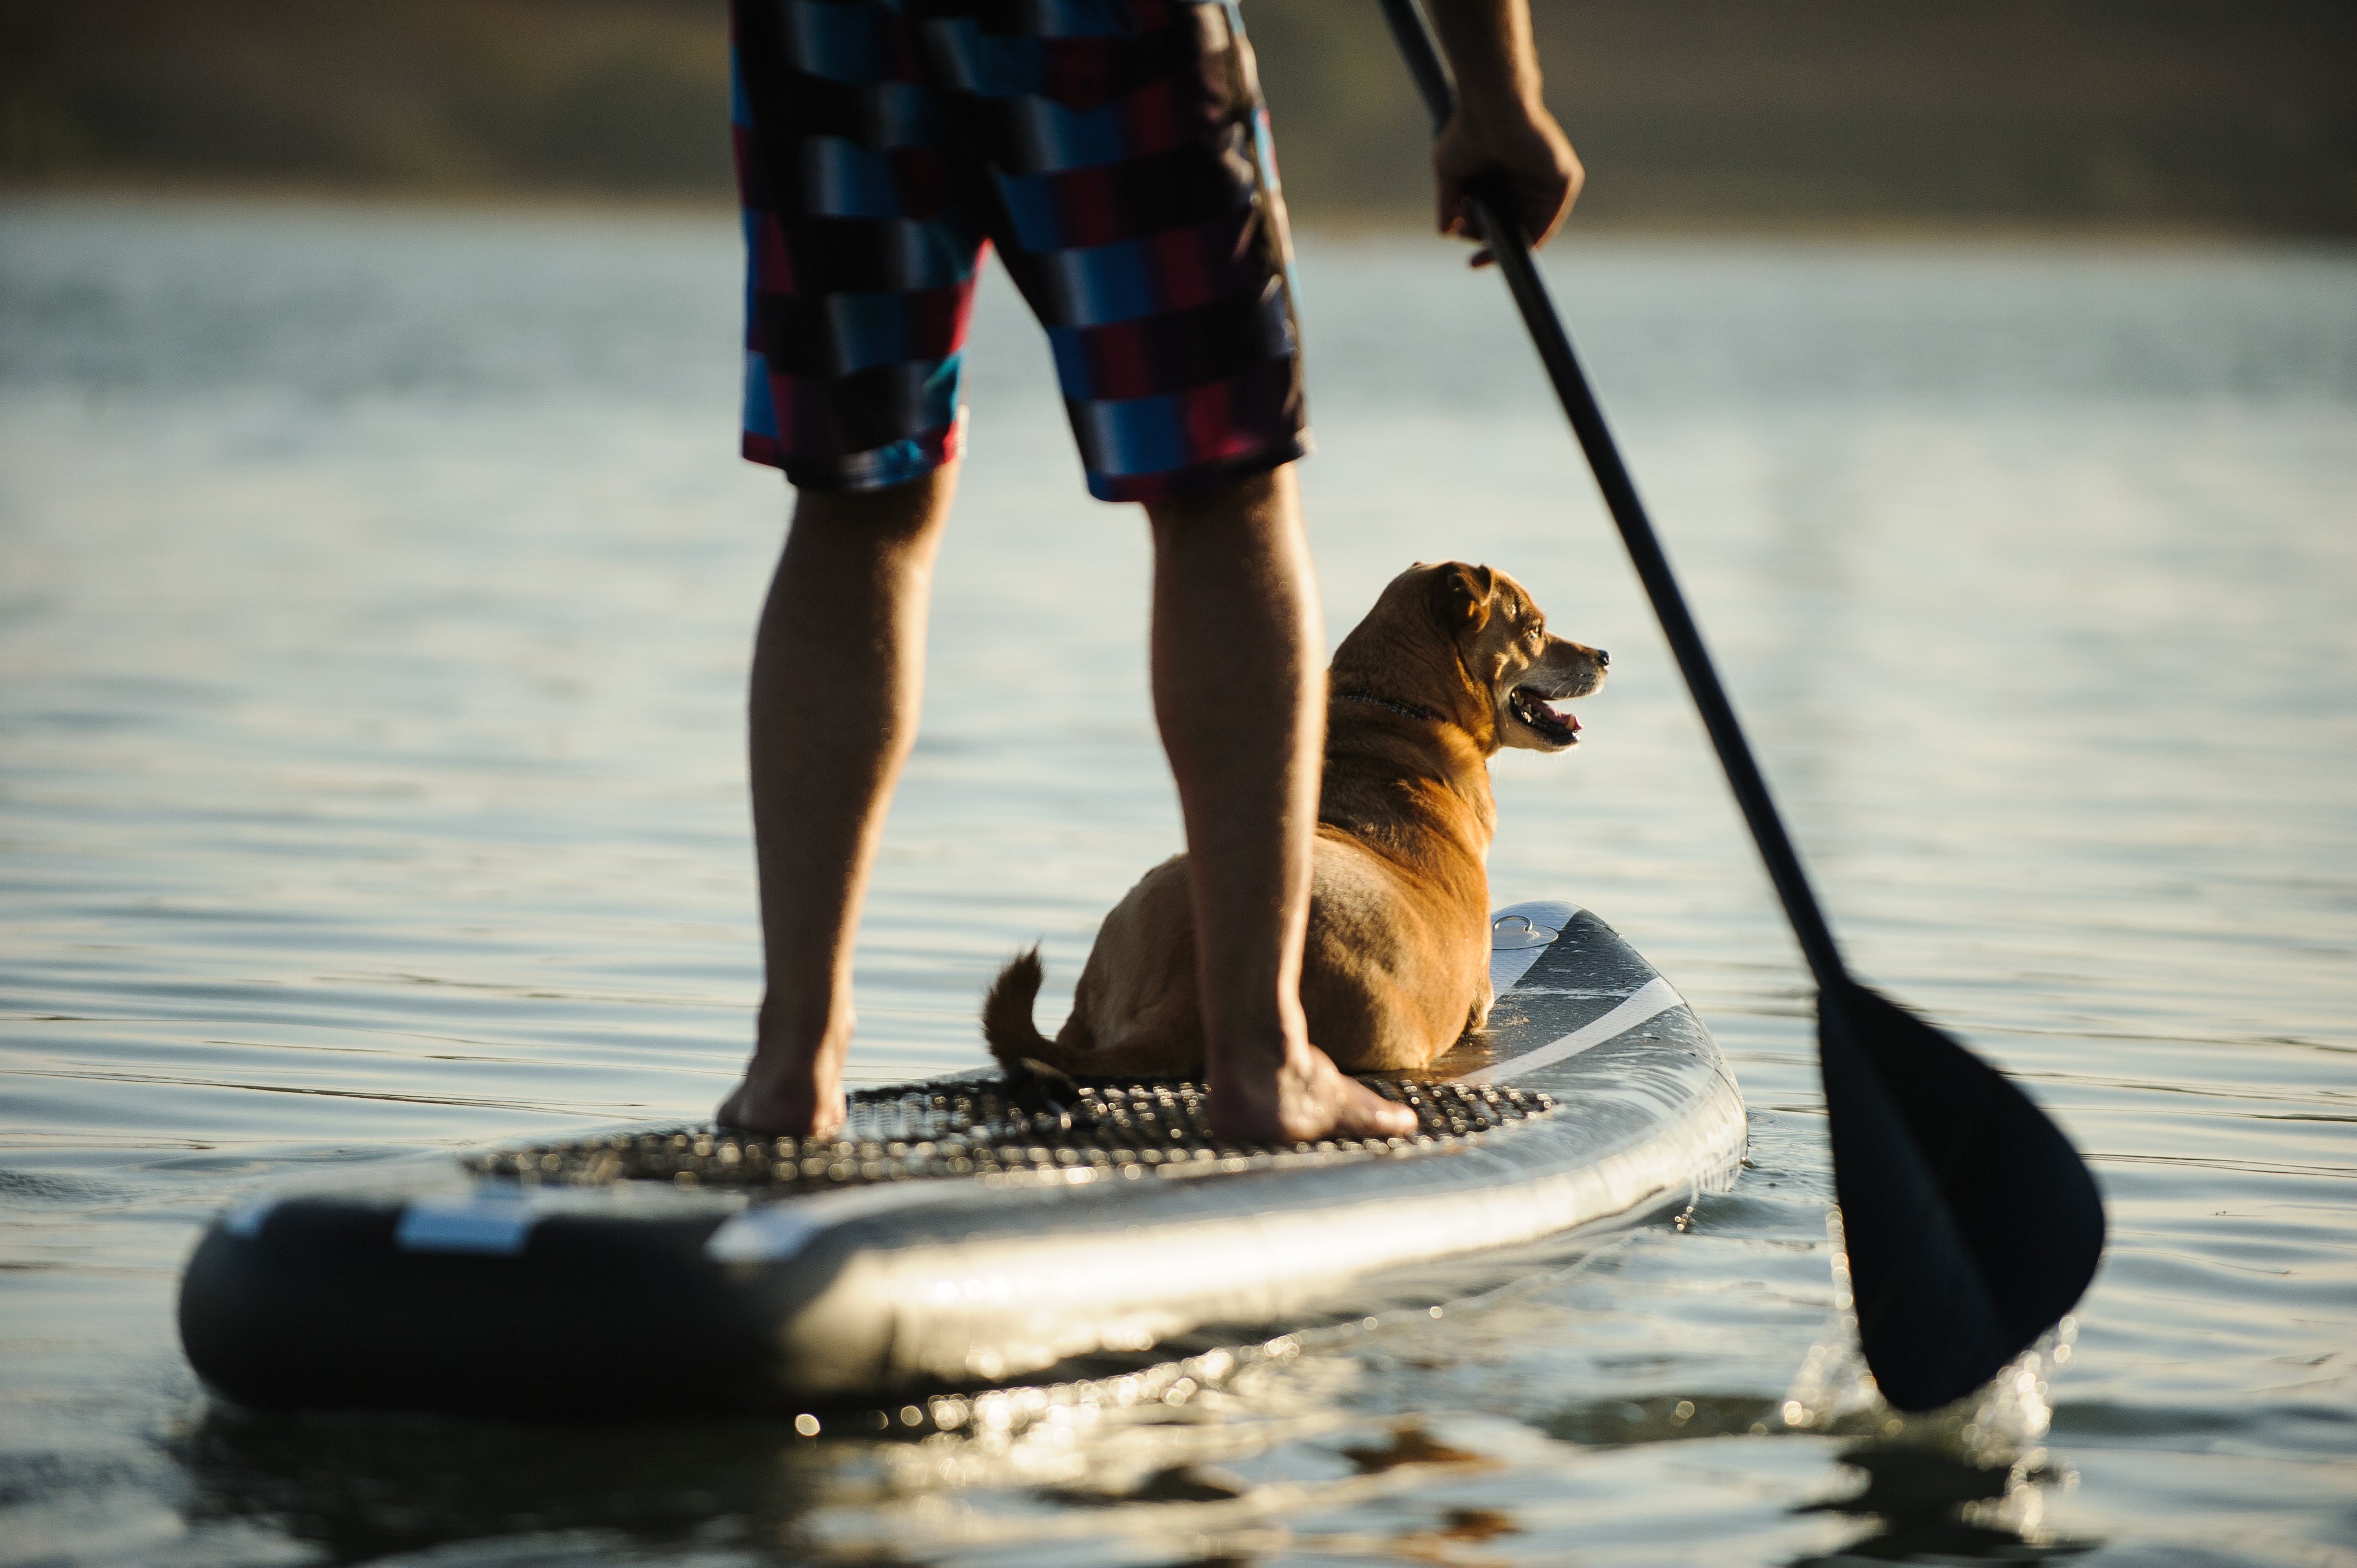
(1461, 596)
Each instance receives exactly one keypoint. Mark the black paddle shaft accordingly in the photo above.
(1971, 1223)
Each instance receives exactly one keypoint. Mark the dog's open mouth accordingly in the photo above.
(1556, 724)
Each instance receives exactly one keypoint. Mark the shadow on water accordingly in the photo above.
(1660, 1419)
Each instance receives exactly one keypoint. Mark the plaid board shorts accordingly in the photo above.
(1115, 152)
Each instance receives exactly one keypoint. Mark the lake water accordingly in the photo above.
(375, 593)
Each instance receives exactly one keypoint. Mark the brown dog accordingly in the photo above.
(1452, 663)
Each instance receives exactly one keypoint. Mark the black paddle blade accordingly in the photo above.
(1972, 1224)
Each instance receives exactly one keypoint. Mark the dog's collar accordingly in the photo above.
(1407, 710)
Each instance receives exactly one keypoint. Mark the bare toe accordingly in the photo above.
(1364, 1114)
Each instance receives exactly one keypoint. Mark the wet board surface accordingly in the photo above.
(966, 1230)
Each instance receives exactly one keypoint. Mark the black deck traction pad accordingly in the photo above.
(981, 1127)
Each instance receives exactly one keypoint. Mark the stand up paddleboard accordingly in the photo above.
(968, 1229)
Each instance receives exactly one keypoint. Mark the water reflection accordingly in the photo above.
(360, 1489)
(1928, 1506)
(1262, 1476)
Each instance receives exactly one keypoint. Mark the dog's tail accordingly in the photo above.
(1023, 1050)
(1006, 1023)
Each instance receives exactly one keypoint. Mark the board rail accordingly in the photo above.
(649, 1269)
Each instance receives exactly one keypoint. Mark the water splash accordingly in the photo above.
(1834, 1392)
(1969, 1478)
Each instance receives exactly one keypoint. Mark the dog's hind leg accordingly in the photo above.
(1484, 998)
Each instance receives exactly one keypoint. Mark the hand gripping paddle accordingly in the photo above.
(1972, 1224)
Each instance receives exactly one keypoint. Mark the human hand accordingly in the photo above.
(1517, 149)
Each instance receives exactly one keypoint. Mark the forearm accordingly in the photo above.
(1491, 53)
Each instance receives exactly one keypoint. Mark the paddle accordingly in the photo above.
(1972, 1225)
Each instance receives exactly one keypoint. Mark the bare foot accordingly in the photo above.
(1307, 1098)
(782, 1096)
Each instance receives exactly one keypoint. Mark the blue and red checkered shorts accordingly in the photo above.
(1115, 152)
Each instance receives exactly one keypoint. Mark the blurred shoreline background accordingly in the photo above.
(2127, 116)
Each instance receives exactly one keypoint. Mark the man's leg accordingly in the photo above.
(838, 678)
(1240, 694)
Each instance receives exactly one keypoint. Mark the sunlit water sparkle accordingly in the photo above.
(375, 589)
